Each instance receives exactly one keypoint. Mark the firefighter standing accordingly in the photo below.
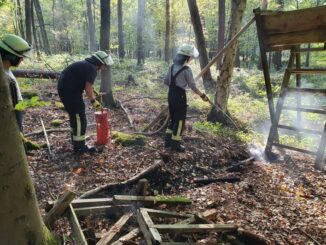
(76, 78)
(178, 78)
(13, 50)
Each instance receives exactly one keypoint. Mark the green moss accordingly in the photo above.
(176, 199)
(30, 145)
(28, 94)
(128, 139)
(56, 122)
(50, 239)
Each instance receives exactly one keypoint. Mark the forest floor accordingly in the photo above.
(283, 201)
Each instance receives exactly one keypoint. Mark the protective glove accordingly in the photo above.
(96, 105)
(204, 97)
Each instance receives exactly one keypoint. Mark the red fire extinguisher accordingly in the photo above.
(102, 126)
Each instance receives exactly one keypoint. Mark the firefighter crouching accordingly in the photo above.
(74, 80)
(178, 78)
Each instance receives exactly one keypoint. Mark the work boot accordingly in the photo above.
(176, 146)
(167, 140)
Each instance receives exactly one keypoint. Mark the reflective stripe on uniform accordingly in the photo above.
(78, 136)
(178, 136)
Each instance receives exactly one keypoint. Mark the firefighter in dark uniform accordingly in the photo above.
(74, 80)
(178, 78)
(13, 50)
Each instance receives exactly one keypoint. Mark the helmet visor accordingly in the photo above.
(108, 60)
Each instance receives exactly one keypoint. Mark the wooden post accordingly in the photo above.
(320, 153)
(59, 208)
(142, 187)
(298, 85)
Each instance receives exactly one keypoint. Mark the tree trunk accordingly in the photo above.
(20, 222)
(167, 32)
(91, 26)
(44, 35)
(224, 79)
(307, 63)
(106, 80)
(20, 19)
(34, 29)
(120, 31)
(221, 30)
(200, 41)
(140, 27)
(28, 21)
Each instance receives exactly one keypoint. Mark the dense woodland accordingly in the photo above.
(224, 172)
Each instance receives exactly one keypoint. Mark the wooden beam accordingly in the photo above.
(308, 131)
(144, 229)
(115, 230)
(59, 208)
(130, 235)
(307, 71)
(166, 214)
(302, 109)
(150, 200)
(320, 152)
(306, 90)
(77, 232)
(193, 228)
(84, 211)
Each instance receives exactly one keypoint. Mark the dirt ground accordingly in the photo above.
(284, 201)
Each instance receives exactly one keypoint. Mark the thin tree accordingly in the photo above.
(106, 80)
(36, 44)
(20, 19)
(44, 35)
(120, 31)
(221, 29)
(200, 41)
(91, 26)
(167, 31)
(21, 222)
(28, 21)
(277, 56)
(224, 79)
(140, 27)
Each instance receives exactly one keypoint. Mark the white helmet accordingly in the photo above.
(103, 57)
(188, 50)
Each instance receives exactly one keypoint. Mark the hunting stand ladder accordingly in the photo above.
(287, 31)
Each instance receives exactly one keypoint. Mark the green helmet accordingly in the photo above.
(188, 50)
(103, 57)
(15, 45)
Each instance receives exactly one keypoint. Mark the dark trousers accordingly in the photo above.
(177, 100)
(77, 118)
(19, 119)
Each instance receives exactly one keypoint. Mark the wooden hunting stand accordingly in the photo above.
(287, 31)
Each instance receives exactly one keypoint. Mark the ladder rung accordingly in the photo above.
(294, 149)
(309, 131)
(306, 71)
(293, 108)
(306, 90)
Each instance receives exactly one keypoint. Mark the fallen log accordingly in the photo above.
(164, 113)
(59, 208)
(127, 114)
(130, 181)
(236, 167)
(36, 74)
(229, 179)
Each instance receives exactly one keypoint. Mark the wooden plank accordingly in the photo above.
(308, 131)
(144, 229)
(296, 38)
(150, 200)
(59, 208)
(168, 214)
(154, 232)
(193, 228)
(294, 21)
(130, 235)
(304, 109)
(91, 202)
(75, 227)
(307, 71)
(101, 210)
(115, 230)
(294, 149)
(304, 50)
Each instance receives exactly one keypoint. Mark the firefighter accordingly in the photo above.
(74, 80)
(178, 78)
(13, 50)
